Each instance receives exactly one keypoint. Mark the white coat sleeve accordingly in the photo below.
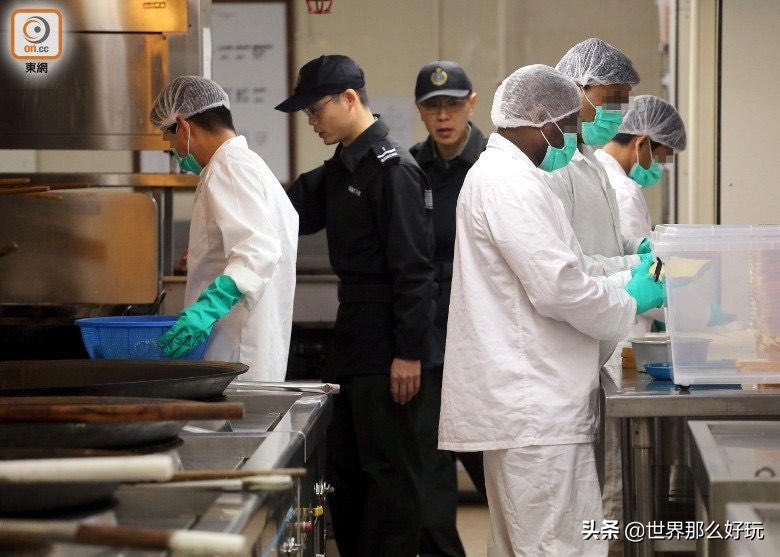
(600, 265)
(634, 220)
(631, 245)
(241, 210)
(528, 228)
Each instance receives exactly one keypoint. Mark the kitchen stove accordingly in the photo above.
(280, 429)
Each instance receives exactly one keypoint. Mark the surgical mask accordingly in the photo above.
(646, 177)
(187, 163)
(558, 157)
(603, 127)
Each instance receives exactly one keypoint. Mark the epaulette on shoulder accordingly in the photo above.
(385, 152)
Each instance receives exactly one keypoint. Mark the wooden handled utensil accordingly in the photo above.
(190, 475)
(157, 467)
(113, 409)
(25, 189)
(190, 542)
(14, 181)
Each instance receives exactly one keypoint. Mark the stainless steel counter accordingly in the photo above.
(751, 545)
(279, 429)
(732, 462)
(646, 408)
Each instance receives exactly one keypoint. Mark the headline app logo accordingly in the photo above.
(36, 34)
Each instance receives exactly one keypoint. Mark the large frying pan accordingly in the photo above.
(136, 378)
(101, 422)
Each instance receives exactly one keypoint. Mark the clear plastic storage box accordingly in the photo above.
(723, 315)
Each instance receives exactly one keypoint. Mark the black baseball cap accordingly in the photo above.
(326, 75)
(441, 77)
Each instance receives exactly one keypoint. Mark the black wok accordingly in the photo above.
(192, 380)
(49, 498)
(101, 422)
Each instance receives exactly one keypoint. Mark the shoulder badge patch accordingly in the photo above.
(385, 152)
(439, 77)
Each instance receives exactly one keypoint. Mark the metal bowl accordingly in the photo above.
(650, 349)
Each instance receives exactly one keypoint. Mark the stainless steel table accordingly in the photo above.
(639, 401)
(767, 514)
(732, 462)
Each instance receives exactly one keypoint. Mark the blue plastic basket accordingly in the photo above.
(130, 337)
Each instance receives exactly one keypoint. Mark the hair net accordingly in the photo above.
(649, 115)
(533, 96)
(186, 96)
(594, 62)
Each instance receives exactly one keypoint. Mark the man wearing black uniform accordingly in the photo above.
(373, 201)
(445, 99)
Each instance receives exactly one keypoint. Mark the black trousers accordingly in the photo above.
(375, 468)
(440, 483)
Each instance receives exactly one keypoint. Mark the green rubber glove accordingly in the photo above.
(645, 290)
(194, 323)
(642, 268)
(644, 246)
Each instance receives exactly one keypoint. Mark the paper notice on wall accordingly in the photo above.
(249, 60)
(398, 113)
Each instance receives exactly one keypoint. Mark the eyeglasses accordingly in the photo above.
(452, 104)
(312, 112)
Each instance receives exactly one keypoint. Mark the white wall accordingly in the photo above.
(750, 130)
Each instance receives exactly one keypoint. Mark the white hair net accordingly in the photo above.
(533, 96)
(649, 115)
(594, 62)
(186, 96)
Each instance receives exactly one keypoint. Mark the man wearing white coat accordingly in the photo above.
(521, 365)
(651, 132)
(243, 237)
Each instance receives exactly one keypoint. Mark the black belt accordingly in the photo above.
(366, 293)
(443, 271)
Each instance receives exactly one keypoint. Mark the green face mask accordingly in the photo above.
(646, 177)
(558, 157)
(603, 127)
(187, 163)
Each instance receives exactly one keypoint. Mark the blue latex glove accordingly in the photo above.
(194, 323)
(645, 290)
(644, 246)
(643, 258)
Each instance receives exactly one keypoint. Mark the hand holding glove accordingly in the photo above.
(642, 268)
(644, 247)
(194, 323)
(644, 289)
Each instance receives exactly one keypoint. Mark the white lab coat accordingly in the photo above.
(634, 222)
(632, 205)
(590, 203)
(244, 226)
(521, 365)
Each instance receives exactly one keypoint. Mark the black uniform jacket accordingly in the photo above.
(446, 180)
(371, 199)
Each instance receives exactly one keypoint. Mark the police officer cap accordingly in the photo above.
(441, 77)
(326, 75)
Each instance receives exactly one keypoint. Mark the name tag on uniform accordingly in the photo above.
(428, 199)
(354, 191)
